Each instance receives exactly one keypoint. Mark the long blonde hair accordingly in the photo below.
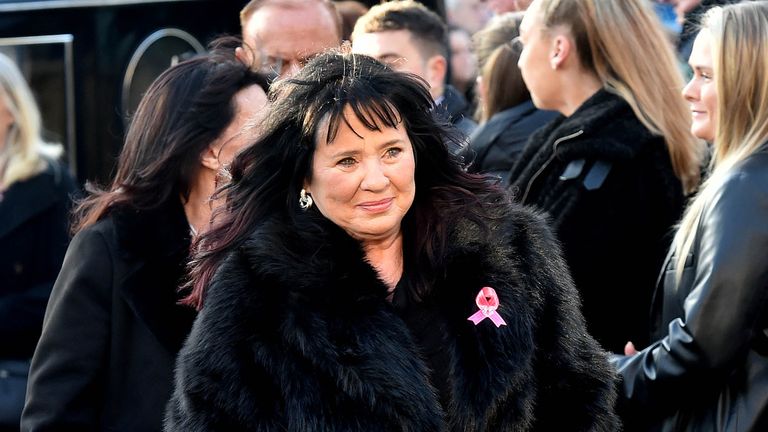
(22, 153)
(739, 35)
(624, 44)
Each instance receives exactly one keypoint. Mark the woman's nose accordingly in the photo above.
(375, 179)
(691, 91)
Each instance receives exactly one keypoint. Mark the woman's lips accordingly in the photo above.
(376, 206)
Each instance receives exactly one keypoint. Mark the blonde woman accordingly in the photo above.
(613, 169)
(34, 203)
(708, 369)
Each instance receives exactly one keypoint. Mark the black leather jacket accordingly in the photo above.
(708, 370)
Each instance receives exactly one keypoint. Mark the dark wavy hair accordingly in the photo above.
(184, 110)
(268, 176)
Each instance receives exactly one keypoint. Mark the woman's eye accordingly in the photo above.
(393, 152)
(346, 162)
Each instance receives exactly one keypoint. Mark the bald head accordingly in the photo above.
(281, 35)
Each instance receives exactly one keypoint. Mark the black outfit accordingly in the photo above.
(708, 369)
(113, 326)
(297, 334)
(455, 109)
(33, 239)
(612, 196)
(495, 145)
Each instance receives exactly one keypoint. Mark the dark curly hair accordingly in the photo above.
(268, 176)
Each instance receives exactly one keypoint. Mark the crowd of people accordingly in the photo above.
(518, 217)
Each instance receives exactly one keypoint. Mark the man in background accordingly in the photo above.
(280, 36)
(411, 38)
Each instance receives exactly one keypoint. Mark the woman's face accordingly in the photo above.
(6, 120)
(364, 180)
(534, 60)
(250, 105)
(701, 91)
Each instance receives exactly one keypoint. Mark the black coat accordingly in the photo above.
(34, 216)
(113, 327)
(612, 196)
(296, 334)
(708, 369)
(495, 145)
(455, 109)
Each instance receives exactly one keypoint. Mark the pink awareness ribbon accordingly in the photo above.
(488, 302)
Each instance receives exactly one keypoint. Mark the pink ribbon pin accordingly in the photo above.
(488, 302)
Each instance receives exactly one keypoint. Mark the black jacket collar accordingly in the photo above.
(611, 130)
(154, 247)
(25, 199)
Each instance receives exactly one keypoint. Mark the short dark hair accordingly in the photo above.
(184, 110)
(426, 27)
(268, 176)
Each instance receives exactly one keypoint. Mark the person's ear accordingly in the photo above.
(245, 55)
(210, 158)
(561, 50)
(436, 68)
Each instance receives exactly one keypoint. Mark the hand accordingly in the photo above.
(629, 349)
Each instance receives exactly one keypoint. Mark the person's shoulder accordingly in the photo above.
(507, 222)
(748, 177)
(100, 232)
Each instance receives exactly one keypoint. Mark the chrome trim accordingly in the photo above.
(142, 48)
(68, 4)
(37, 40)
(69, 77)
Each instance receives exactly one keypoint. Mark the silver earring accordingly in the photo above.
(305, 200)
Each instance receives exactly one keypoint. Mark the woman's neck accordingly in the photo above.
(581, 87)
(198, 207)
(386, 256)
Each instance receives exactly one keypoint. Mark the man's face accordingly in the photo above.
(394, 48)
(284, 37)
(397, 49)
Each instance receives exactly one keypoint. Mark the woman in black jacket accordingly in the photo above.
(508, 117)
(707, 369)
(359, 280)
(114, 323)
(35, 200)
(613, 169)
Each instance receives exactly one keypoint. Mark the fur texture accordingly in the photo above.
(296, 334)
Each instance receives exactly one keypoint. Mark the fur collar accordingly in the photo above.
(298, 302)
(335, 311)
(610, 130)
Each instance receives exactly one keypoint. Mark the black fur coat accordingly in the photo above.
(297, 334)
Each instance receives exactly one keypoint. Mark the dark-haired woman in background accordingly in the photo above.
(114, 324)
(360, 280)
(507, 114)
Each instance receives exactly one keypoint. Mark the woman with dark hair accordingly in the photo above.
(113, 324)
(507, 114)
(360, 280)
